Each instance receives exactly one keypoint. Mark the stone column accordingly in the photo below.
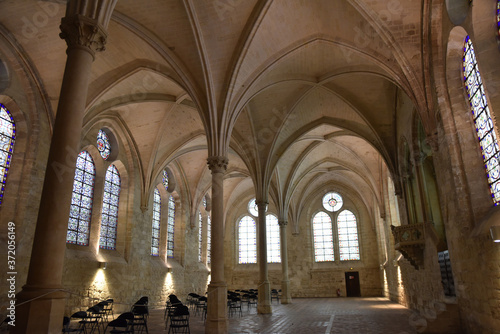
(424, 200)
(286, 297)
(217, 289)
(41, 302)
(264, 300)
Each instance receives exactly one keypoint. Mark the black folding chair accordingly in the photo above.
(179, 322)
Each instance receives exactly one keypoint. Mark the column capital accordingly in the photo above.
(262, 205)
(282, 223)
(83, 33)
(217, 164)
(433, 141)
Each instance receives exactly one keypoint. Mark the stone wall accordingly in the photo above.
(307, 277)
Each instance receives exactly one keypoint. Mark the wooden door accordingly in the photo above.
(352, 284)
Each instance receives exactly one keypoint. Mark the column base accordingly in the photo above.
(264, 302)
(286, 297)
(41, 315)
(217, 308)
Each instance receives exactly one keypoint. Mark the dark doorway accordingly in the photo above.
(352, 284)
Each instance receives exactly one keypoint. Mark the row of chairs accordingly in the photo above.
(96, 317)
(176, 316)
(89, 321)
(134, 321)
(198, 304)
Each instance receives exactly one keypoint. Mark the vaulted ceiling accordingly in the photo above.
(296, 93)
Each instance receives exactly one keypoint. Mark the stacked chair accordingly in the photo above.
(177, 314)
(141, 313)
(67, 328)
(124, 324)
(86, 323)
(201, 306)
(275, 295)
(170, 306)
(179, 321)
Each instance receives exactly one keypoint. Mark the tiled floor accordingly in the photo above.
(311, 315)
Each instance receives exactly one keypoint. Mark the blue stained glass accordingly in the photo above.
(498, 17)
(209, 237)
(109, 214)
(247, 237)
(155, 235)
(81, 201)
(482, 118)
(7, 140)
(165, 179)
(200, 236)
(273, 239)
(103, 145)
(323, 240)
(170, 226)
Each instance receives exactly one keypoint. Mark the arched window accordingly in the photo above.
(7, 139)
(209, 238)
(103, 145)
(273, 239)
(109, 216)
(200, 235)
(252, 208)
(485, 126)
(170, 226)
(348, 236)
(165, 179)
(498, 17)
(80, 211)
(332, 202)
(155, 235)
(247, 236)
(323, 238)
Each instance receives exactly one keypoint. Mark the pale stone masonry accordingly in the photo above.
(277, 101)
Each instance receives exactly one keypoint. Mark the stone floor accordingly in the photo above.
(311, 315)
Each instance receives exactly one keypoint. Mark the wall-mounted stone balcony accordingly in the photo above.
(410, 241)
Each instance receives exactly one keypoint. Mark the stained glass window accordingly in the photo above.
(485, 127)
(155, 235)
(170, 226)
(109, 216)
(323, 238)
(332, 202)
(247, 236)
(165, 179)
(80, 211)
(252, 208)
(498, 17)
(209, 238)
(103, 144)
(273, 239)
(200, 236)
(348, 236)
(7, 139)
